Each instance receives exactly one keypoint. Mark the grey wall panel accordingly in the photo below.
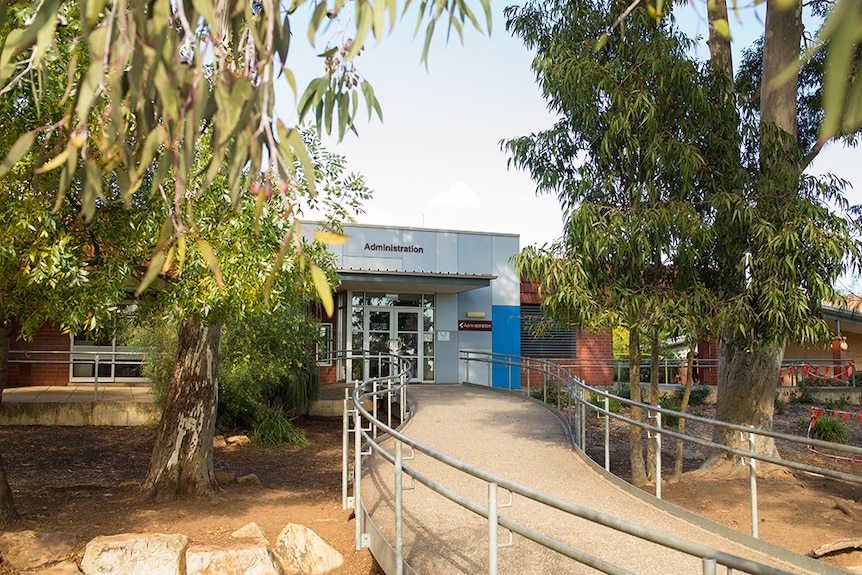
(474, 254)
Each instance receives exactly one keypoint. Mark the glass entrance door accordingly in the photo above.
(393, 330)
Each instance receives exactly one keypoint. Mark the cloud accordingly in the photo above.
(459, 195)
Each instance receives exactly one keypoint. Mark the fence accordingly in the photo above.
(369, 433)
(78, 366)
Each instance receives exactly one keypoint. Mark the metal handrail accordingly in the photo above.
(578, 390)
(367, 440)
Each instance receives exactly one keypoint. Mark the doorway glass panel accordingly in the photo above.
(395, 323)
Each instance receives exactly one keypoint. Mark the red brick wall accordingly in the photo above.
(39, 368)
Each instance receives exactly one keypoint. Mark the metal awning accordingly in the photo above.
(418, 282)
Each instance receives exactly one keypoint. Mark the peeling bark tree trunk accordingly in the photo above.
(747, 380)
(636, 453)
(8, 513)
(182, 462)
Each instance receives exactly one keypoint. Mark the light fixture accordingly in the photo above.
(843, 345)
(476, 314)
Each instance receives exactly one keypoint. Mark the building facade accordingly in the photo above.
(425, 294)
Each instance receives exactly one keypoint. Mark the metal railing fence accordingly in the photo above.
(369, 433)
(81, 357)
(580, 397)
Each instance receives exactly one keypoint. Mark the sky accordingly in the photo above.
(435, 160)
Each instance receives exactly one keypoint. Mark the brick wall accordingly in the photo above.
(39, 368)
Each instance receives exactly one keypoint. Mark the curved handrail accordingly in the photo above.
(367, 440)
(578, 389)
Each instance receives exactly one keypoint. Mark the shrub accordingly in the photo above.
(827, 428)
(669, 402)
(554, 391)
(266, 362)
(779, 405)
(275, 429)
(614, 405)
(699, 395)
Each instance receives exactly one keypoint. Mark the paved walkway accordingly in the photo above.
(77, 393)
(522, 441)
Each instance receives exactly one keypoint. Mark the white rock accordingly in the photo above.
(252, 559)
(26, 550)
(250, 531)
(135, 554)
(301, 549)
(64, 568)
(250, 480)
(237, 440)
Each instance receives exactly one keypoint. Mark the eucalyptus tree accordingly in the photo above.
(158, 76)
(623, 160)
(55, 268)
(241, 244)
(782, 236)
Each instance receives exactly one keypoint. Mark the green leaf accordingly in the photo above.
(153, 270)
(321, 284)
(299, 150)
(19, 148)
(210, 258)
(205, 9)
(722, 27)
(364, 22)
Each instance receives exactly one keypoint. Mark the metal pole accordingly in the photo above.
(399, 511)
(492, 529)
(607, 435)
(345, 454)
(708, 566)
(752, 465)
(357, 476)
(490, 371)
(96, 379)
(658, 455)
(374, 398)
(389, 403)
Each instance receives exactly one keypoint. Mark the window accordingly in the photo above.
(551, 341)
(324, 346)
(116, 362)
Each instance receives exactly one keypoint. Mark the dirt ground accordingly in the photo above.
(84, 480)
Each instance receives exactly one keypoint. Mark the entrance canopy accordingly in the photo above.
(419, 282)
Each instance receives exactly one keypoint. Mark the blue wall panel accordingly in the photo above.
(506, 339)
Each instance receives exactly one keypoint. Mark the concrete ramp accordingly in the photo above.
(521, 440)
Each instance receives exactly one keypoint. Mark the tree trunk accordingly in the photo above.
(182, 462)
(636, 454)
(781, 48)
(8, 513)
(747, 379)
(683, 408)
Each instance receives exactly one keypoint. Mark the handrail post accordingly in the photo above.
(399, 510)
(96, 378)
(493, 547)
(709, 566)
(658, 455)
(607, 434)
(389, 403)
(345, 450)
(374, 388)
(357, 477)
(752, 466)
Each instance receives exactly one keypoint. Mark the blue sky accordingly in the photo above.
(435, 161)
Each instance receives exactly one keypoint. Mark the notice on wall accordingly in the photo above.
(474, 325)
(442, 336)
